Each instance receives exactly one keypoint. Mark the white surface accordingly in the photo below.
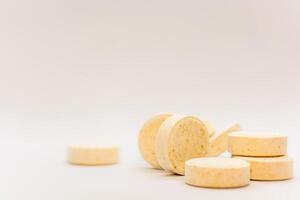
(74, 68)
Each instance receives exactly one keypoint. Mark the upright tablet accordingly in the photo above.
(147, 137)
(180, 138)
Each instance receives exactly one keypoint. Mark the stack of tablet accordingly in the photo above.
(266, 154)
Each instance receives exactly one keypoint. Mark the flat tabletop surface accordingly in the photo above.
(35, 168)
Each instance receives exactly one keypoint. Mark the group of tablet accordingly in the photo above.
(186, 145)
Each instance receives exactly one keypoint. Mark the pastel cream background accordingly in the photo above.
(77, 69)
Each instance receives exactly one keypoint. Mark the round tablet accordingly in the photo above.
(270, 169)
(263, 145)
(92, 154)
(210, 128)
(147, 137)
(180, 138)
(218, 143)
(217, 172)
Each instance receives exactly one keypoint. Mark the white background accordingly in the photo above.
(98, 69)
